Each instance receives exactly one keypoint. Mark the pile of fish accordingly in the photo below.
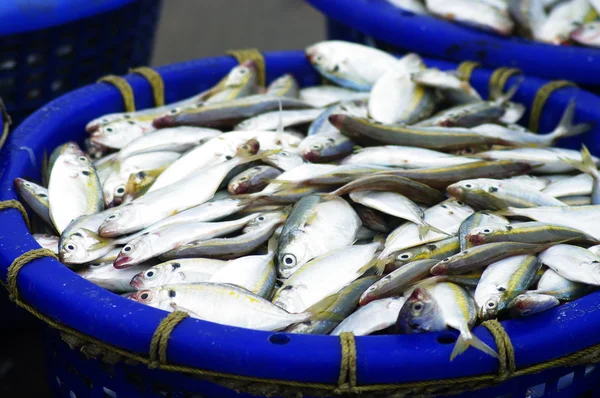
(398, 201)
(559, 22)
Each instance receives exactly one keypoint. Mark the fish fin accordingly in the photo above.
(462, 343)
(375, 267)
(258, 156)
(509, 211)
(425, 228)
(318, 311)
(566, 128)
(586, 165)
(183, 309)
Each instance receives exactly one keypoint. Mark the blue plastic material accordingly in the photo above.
(59, 293)
(442, 39)
(50, 47)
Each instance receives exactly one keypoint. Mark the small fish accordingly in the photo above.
(376, 315)
(326, 147)
(206, 301)
(350, 65)
(434, 251)
(321, 124)
(481, 256)
(252, 180)
(581, 184)
(284, 160)
(406, 157)
(346, 301)
(254, 273)
(530, 303)
(473, 13)
(502, 281)
(475, 220)
(395, 283)
(279, 119)
(526, 232)
(588, 166)
(338, 268)
(314, 227)
(453, 89)
(74, 188)
(36, 198)
(110, 278)
(180, 271)
(240, 82)
(561, 288)
(436, 307)
(47, 241)
(573, 263)
(587, 34)
(137, 184)
(84, 246)
(562, 20)
(284, 86)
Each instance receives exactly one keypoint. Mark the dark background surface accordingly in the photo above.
(188, 29)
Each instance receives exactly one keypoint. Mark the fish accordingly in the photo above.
(278, 119)
(551, 283)
(474, 221)
(467, 115)
(407, 157)
(436, 307)
(530, 303)
(315, 226)
(451, 86)
(137, 184)
(189, 192)
(588, 166)
(350, 65)
(254, 234)
(391, 183)
(174, 272)
(571, 186)
(252, 180)
(74, 188)
(376, 315)
(494, 194)
(562, 20)
(473, 13)
(255, 273)
(110, 278)
(322, 96)
(573, 263)
(36, 198)
(526, 232)
(225, 304)
(47, 241)
(587, 34)
(396, 282)
(396, 205)
(321, 124)
(324, 276)
(528, 14)
(326, 147)
(161, 240)
(396, 98)
(240, 82)
(345, 302)
(284, 86)
(434, 251)
(83, 246)
(446, 216)
(583, 218)
(481, 256)
(284, 160)
(501, 282)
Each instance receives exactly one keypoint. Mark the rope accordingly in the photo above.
(498, 81)
(7, 121)
(15, 204)
(505, 349)
(124, 88)
(20, 262)
(540, 100)
(156, 82)
(465, 69)
(347, 379)
(251, 54)
(161, 336)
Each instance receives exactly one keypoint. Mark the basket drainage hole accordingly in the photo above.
(280, 339)
(108, 393)
(447, 337)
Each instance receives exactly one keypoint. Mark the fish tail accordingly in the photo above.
(251, 158)
(586, 165)
(375, 267)
(465, 341)
(566, 128)
(319, 311)
(424, 229)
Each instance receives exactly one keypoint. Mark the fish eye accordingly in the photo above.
(319, 58)
(261, 218)
(173, 111)
(458, 202)
(526, 312)
(127, 116)
(468, 150)
(486, 231)
(405, 256)
(27, 184)
(131, 122)
(42, 195)
(243, 178)
(316, 146)
(417, 306)
(468, 186)
(446, 259)
(70, 247)
(109, 130)
(127, 248)
(289, 260)
(82, 158)
(228, 157)
(491, 304)
(243, 71)
(150, 273)
(145, 296)
(120, 190)
(112, 217)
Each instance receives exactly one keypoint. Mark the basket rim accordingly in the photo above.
(20, 17)
(67, 298)
(444, 39)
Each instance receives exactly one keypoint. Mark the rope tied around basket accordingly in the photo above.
(161, 336)
(7, 121)
(15, 204)
(124, 88)
(506, 351)
(20, 262)
(347, 379)
(498, 81)
(251, 54)
(156, 82)
(466, 68)
(540, 99)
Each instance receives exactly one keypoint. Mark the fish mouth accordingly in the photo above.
(164, 121)
(337, 120)
(476, 239)
(93, 128)
(108, 230)
(122, 262)
(311, 156)
(455, 192)
(439, 269)
(136, 282)
(366, 299)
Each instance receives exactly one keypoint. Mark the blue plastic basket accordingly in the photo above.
(379, 23)
(50, 47)
(58, 293)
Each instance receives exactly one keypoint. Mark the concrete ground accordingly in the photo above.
(188, 29)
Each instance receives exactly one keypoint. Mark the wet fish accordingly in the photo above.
(254, 273)
(376, 315)
(476, 220)
(284, 86)
(559, 287)
(573, 263)
(406, 157)
(180, 271)
(434, 251)
(530, 303)
(279, 119)
(110, 278)
(326, 147)
(36, 198)
(47, 241)
(252, 180)
(526, 232)
(571, 186)
(473, 13)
